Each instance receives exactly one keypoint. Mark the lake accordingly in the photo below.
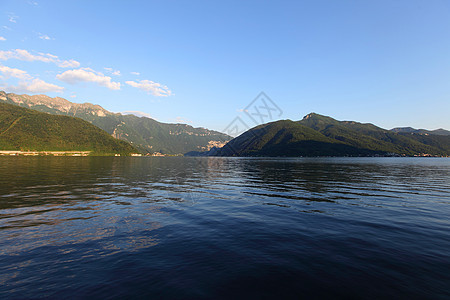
(224, 228)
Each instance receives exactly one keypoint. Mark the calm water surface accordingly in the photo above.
(194, 228)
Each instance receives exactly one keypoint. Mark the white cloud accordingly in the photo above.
(69, 64)
(24, 55)
(135, 73)
(12, 18)
(112, 71)
(182, 120)
(2, 39)
(40, 86)
(49, 55)
(88, 75)
(44, 37)
(27, 83)
(156, 89)
(136, 113)
(15, 73)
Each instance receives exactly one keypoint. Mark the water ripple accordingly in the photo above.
(224, 227)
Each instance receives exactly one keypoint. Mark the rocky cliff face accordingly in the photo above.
(57, 103)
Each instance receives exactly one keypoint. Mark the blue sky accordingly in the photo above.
(202, 62)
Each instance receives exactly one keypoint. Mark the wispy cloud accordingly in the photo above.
(36, 86)
(12, 18)
(27, 83)
(2, 39)
(154, 88)
(113, 72)
(135, 73)
(24, 55)
(182, 120)
(44, 37)
(33, 3)
(136, 113)
(88, 75)
(69, 64)
(14, 73)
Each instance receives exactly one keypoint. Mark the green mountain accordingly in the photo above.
(317, 135)
(29, 130)
(144, 133)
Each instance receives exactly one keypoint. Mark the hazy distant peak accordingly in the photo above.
(441, 131)
(412, 130)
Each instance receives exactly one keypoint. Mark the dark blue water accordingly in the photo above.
(224, 228)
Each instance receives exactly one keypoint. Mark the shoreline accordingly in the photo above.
(44, 153)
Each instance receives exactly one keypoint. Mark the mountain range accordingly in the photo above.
(146, 134)
(439, 131)
(314, 135)
(25, 129)
(317, 135)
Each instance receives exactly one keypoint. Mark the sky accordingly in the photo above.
(204, 62)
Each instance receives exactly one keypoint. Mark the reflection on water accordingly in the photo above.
(224, 227)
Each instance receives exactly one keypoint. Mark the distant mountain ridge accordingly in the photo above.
(29, 130)
(146, 134)
(317, 135)
(439, 131)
